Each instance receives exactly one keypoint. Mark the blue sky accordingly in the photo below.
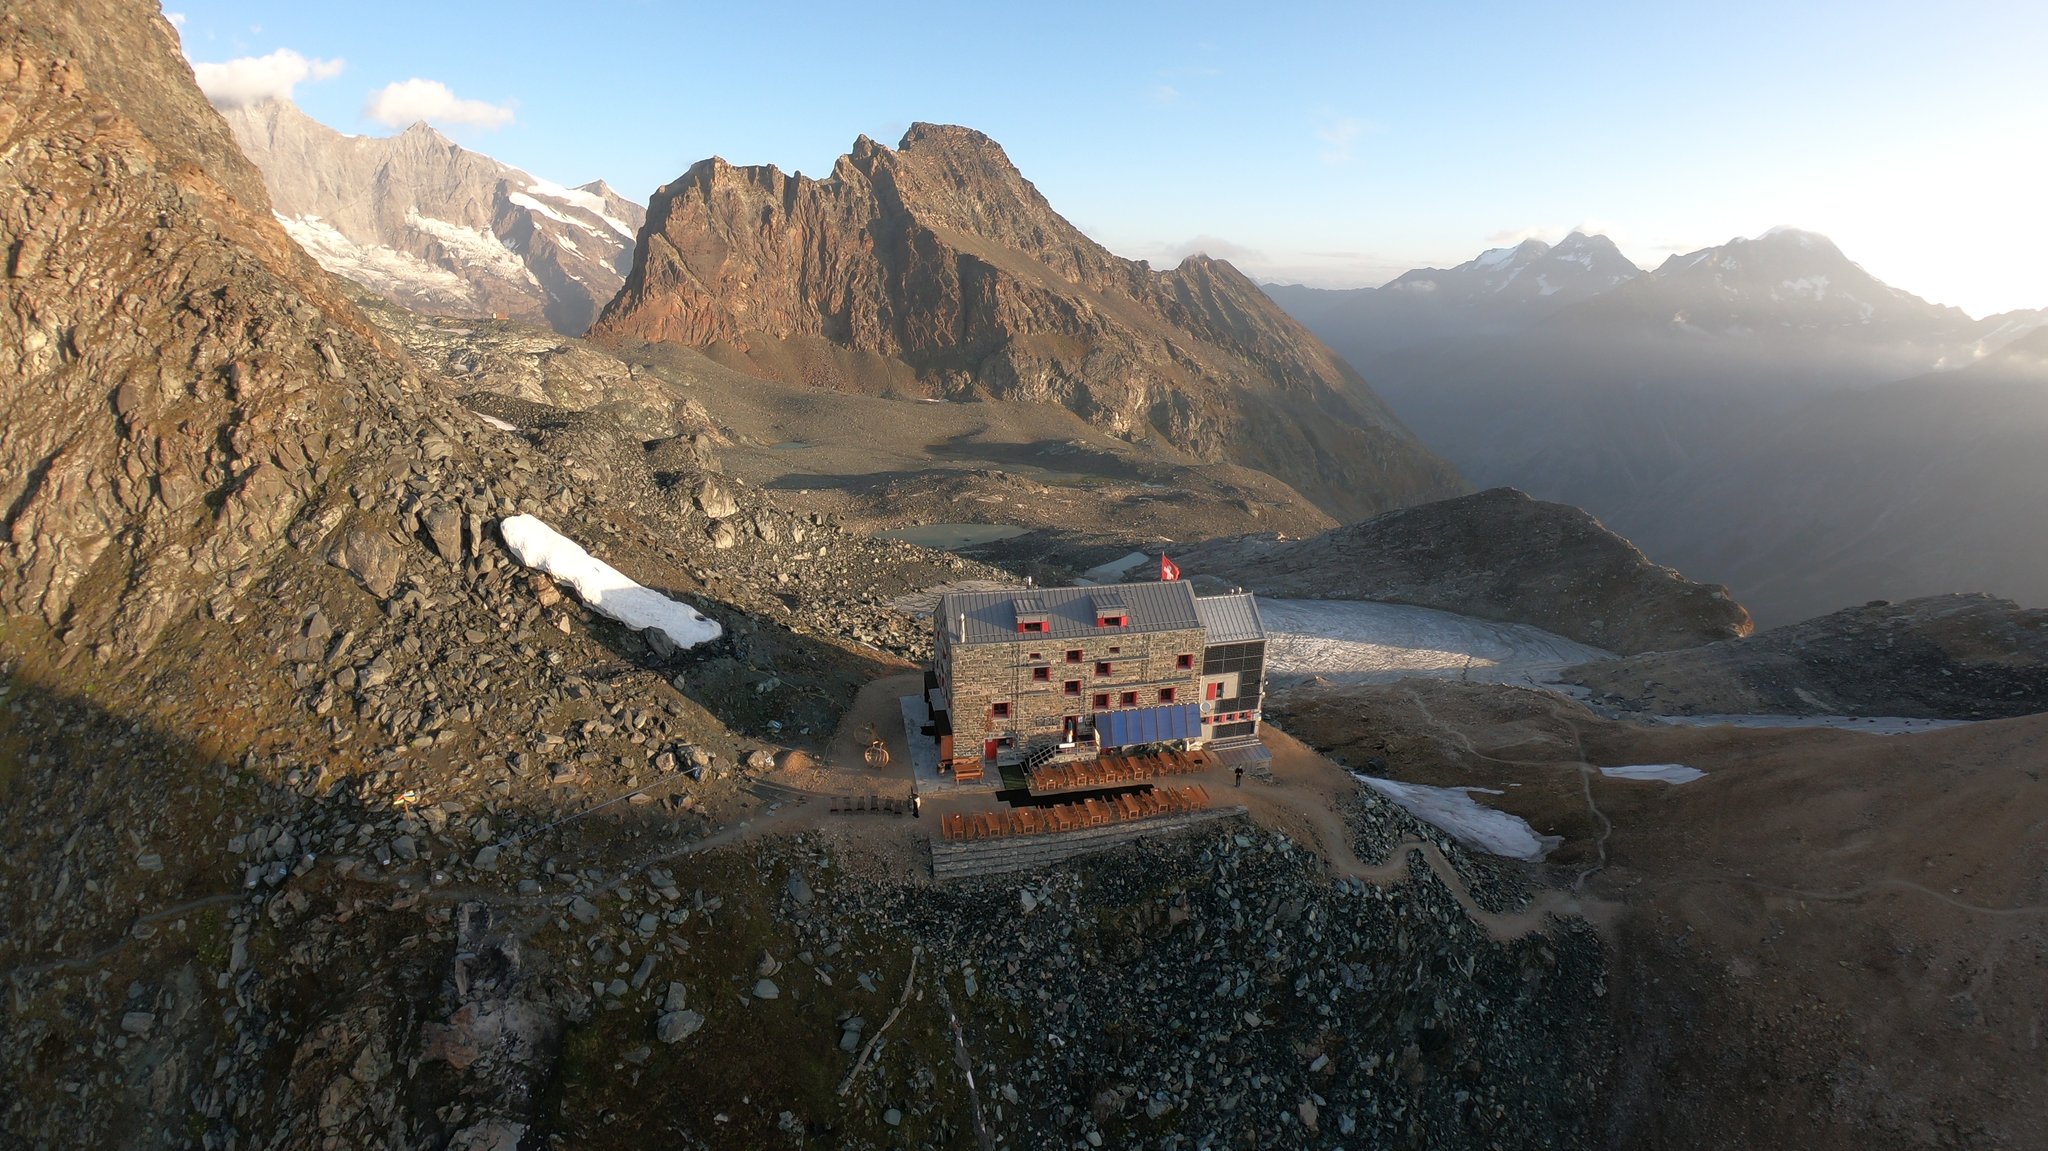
(1333, 144)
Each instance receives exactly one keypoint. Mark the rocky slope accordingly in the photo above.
(1942, 657)
(936, 268)
(437, 227)
(326, 824)
(1496, 555)
(1828, 940)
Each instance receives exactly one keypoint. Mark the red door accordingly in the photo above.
(988, 749)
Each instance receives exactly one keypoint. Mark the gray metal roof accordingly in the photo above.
(991, 616)
(1230, 618)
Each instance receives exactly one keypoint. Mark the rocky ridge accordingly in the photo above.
(936, 268)
(1497, 555)
(1939, 657)
(437, 227)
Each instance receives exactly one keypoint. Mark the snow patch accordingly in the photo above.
(501, 425)
(1494, 257)
(1666, 772)
(1453, 811)
(601, 586)
(473, 247)
(377, 267)
(590, 202)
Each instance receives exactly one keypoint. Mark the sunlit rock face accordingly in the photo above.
(936, 267)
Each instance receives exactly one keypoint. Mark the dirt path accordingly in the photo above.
(1307, 799)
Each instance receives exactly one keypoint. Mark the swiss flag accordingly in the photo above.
(1168, 570)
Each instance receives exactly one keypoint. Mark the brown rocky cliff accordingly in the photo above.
(941, 256)
(1496, 554)
(169, 361)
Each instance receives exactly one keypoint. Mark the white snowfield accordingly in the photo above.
(602, 586)
(1664, 772)
(1453, 811)
(1357, 641)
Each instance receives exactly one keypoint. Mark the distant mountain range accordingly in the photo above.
(437, 227)
(936, 269)
(1686, 406)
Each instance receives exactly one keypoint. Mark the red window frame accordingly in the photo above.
(1041, 674)
(1074, 655)
(1166, 695)
(1000, 709)
(1112, 621)
(1216, 690)
(1037, 625)
(1184, 662)
(1073, 687)
(1104, 667)
(1129, 699)
(1101, 699)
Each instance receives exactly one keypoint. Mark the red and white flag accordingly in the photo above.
(1168, 570)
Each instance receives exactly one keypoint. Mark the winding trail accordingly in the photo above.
(1310, 793)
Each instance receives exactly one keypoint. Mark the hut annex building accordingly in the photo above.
(1033, 675)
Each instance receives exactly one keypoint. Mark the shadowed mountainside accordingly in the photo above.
(1498, 555)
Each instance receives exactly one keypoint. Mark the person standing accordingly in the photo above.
(1239, 782)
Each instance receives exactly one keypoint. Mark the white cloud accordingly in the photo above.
(399, 104)
(1339, 135)
(177, 19)
(254, 79)
(1162, 94)
(1214, 247)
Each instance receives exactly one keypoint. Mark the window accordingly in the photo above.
(1115, 650)
(1000, 709)
(1037, 625)
(1165, 695)
(1073, 687)
(1041, 674)
(1101, 699)
(1035, 657)
(1102, 667)
(1185, 662)
(1130, 699)
(1074, 655)
(1110, 620)
(1216, 690)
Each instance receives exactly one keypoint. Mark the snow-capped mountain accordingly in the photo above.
(1576, 268)
(437, 227)
(1501, 290)
(1664, 379)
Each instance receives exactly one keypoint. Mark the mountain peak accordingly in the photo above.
(941, 257)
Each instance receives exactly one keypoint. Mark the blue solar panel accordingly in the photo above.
(1149, 724)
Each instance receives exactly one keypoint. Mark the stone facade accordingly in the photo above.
(1042, 681)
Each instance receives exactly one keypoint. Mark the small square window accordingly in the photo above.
(1130, 699)
(1035, 656)
(999, 710)
(1102, 667)
(1165, 695)
(1074, 655)
(1185, 662)
(1101, 699)
(1073, 687)
(1114, 650)
(1041, 674)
